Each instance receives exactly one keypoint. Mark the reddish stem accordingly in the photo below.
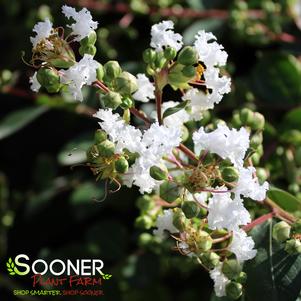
(140, 115)
(188, 152)
(259, 221)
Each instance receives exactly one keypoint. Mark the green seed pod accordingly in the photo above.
(236, 122)
(210, 260)
(100, 72)
(190, 209)
(158, 173)
(246, 116)
(204, 241)
(293, 246)
(90, 49)
(258, 122)
(126, 103)
(189, 71)
(121, 165)
(100, 136)
(106, 148)
(256, 140)
(126, 83)
(170, 53)
(188, 56)
(145, 203)
(149, 55)
(143, 222)
(89, 40)
(242, 278)
(231, 269)
(234, 290)
(49, 79)
(230, 174)
(179, 219)
(111, 100)
(281, 231)
(112, 70)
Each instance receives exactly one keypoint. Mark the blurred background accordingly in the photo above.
(48, 200)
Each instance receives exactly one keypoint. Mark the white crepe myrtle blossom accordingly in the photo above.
(146, 90)
(84, 23)
(228, 144)
(165, 223)
(34, 84)
(248, 185)
(80, 74)
(242, 246)
(220, 281)
(162, 35)
(177, 119)
(43, 30)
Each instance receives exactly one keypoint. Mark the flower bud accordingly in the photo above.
(187, 56)
(126, 103)
(145, 203)
(256, 140)
(179, 219)
(89, 49)
(281, 231)
(293, 246)
(242, 278)
(236, 122)
(203, 213)
(188, 71)
(258, 122)
(184, 133)
(231, 269)
(233, 290)
(126, 83)
(262, 174)
(100, 72)
(230, 174)
(89, 40)
(204, 241)
(169, 191)
(190, 209)
(143, 222)
(160, 60)
(170, 53)
(145, 239)
(158, 173)
(106, 148)
(112, 70)
(149, 55)
(150, 71)
(246, 116)
(121, 165)
(255, 158)
(111, 100)
(210, 260)
(100, 136)
(49, 79)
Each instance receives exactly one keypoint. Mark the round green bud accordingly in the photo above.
(179, 220)
(170, 53)
(112, 70)
(145, 239)
(281, 231)
(242, 278)
(293, 188)
(255, 158)
(158, 173)
(121, 165)
(106, 148)
(100, 136)
(145, 203)
(126, 103)
(131, 157)
(126, 83)
(160, 60)
(298, 156)
(184, 133)
(256, 140)
(169, 191)
(111, 100)
(150, 71)
(246, 116)
(188, 56)
(190, 209)
(149, 55)
(210, 260)
(89, 49)
(100, 72)
(49, 79)
(258, 122)
(204, 241)
(89, 40)
(231, 269)
(230, 174)
(203, 213)
(234, 290)
(262, 174)
(293, 246)
(236, 122)
(143, 222)
(189, 71)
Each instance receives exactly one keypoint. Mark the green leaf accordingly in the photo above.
(284, 199)
(273, 274)
(86, 192)
(175, 109)
(17, 120)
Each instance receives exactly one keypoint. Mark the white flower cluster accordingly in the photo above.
(220, 281)
(165, 223)
(34, 84)
(145, 90)
(43, 31)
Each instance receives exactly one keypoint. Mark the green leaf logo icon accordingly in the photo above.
(11, 267)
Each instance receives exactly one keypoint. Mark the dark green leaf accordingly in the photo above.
(175, 109)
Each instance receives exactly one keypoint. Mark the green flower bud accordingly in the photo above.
(242, 278)
(179, 220)
(210, 260)
(145, 239)
(149, 55)
(184, 133)
(111, 100)
(293, 246)
(90, 49)
(204, 241)
(100, 136)
(126, 83)
(170, 53)
(100, 72)
(131, 157)
(255, 158)
(89, 40)
(126, 103)
(112, 70)
(158, 173)
(258, 122)
(160, 60)
(262, 174)
(203, 213)
(231, 269)
(169, 191)
(236, 122)
(106, 148)
(187, 56)
(246, 116)
(230, 174)
(145, 203)
(143, 222)
(149, 70)
(256, 140)
(49, 79)
(293, 188)
(190, 209)
(233, 290)
(281, 231)
(188, 71)
(121, 165)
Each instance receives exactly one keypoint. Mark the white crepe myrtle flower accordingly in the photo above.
(242, 246)
(84, 23)
(209, 51)
(35, 85)
(225, 213)
(220, 281)
(200, 197)
(162, 35)
(80, 74)
(164, 223)
(145, 90)
(248, 185)
(43, 31)
(177, 119)
(228, 144)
